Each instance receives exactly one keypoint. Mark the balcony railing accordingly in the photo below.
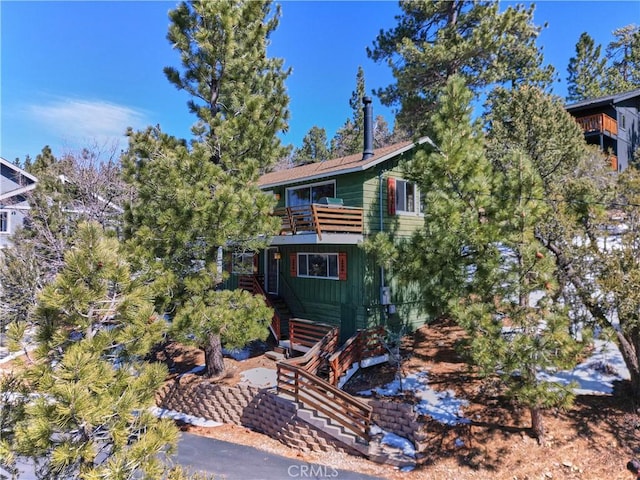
(599, 123)
(320, 219)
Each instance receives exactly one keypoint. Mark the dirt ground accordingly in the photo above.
(593, 440)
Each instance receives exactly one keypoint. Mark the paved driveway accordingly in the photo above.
(230, 461)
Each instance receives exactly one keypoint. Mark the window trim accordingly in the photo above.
(417, 202)
(7, 214)
(309, 186)
(325, 254)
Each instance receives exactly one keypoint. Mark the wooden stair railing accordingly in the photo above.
(319, 351)
(252, 284)
(363, 344)
(297, 378)
(313, 392)
(307, 334)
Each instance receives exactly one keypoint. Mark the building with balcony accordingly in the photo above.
(315, 267)
(613, 123)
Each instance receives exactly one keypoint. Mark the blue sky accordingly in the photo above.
(77, 73)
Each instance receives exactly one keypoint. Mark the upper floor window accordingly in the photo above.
(308, 194)
(4, 222)
(407, 197)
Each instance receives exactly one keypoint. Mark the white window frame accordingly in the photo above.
(242, 263)
(417, 201)
(323, 254)
(7, 216)
(309, 186)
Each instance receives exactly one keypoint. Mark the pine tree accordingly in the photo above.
(314, 147)
(82, 410)
(80, 186)
(587, 71)
(195, 200)
(237, 92)
(349, 138)
(453, 180)
(478, 258)
(437, 39)
(624, 55)
(536, 148)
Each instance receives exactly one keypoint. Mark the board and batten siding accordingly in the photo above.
(398, 224)
(335, 302)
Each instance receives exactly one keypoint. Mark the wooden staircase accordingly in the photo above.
(284, 313)
(320, 402)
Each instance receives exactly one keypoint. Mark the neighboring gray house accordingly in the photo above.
(613, 123)
(14, 185)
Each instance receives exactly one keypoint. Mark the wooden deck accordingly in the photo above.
(599, 123)
(320, 219)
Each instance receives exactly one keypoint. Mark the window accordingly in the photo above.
(407, 197)
(4, 222)
(319, 265)
(242, 264)
(309, 194)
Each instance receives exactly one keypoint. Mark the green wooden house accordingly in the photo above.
(316, 268)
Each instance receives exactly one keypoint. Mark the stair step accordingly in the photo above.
(323, 423)
(374, 451)
(275, 356)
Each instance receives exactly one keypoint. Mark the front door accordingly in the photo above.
(271, 271)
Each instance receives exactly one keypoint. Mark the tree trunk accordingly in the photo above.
(537, 425)
(627, 345)
(214, 361)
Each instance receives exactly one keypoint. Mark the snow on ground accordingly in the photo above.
(395, 441)
(259, 377)
(238, 354)
(175, 415)
(441, 406)
(596, 375)
(196, 369)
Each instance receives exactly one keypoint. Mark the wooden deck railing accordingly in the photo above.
(252, 284)
(309, 334)
(319, 351)
(363, 344)
(320, 219)
(297, 378)
(600, 122)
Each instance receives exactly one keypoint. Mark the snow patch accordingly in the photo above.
(238, 354)
(183, 417)
(443, 407)
(194, 370)
(394, 441)
(597, 374)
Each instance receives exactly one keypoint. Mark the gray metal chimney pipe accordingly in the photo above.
(368, 128)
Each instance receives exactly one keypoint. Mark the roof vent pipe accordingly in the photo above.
(368, 128)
